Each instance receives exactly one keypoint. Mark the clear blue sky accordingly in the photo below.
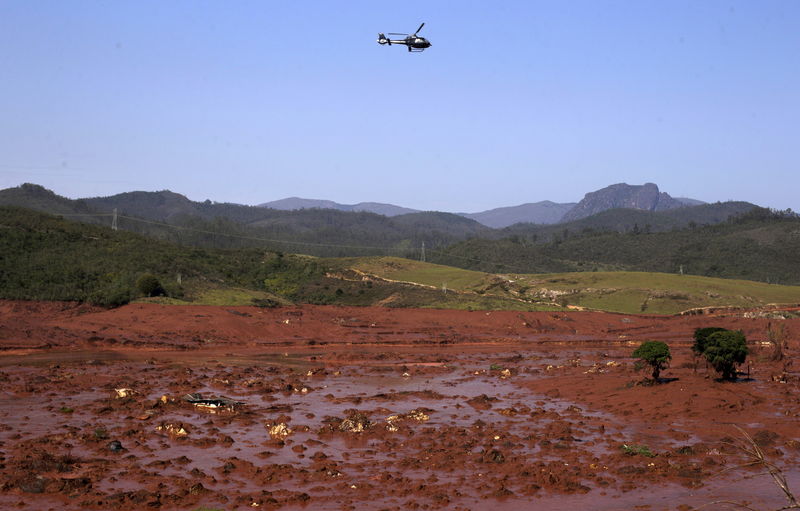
(518, 101)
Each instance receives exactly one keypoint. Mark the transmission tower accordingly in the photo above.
(422, 256)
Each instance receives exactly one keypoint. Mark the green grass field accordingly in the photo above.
(658, 293)
(628, 292)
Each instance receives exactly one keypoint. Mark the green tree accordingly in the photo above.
(701, 338)
(724, 351)
(655, 354)
(149, 285)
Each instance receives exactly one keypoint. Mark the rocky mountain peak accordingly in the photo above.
(622, 195)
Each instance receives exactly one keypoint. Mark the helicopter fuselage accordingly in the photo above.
(414, 42)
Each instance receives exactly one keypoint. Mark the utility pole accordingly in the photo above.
(114, 221)
(422, 257)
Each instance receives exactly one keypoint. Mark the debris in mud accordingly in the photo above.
(354, 422)
(115, 446)
(147, 415)
(174, 430)
(124, 392)
(278, 431)
(417, 415)
(212, 404)
(482, 402)
(492, 456)
(596, 368)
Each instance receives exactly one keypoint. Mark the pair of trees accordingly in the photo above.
(724, 350)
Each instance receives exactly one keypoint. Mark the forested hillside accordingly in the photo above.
(327, 232)
(43, 257)
(759, 245)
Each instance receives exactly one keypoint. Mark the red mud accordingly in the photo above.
(373, 408)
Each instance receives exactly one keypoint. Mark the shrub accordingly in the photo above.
(637, 450)
(266, 303)
(111, 296)
(148, 285)
(655, 354)
(114, 291)
(724, 351)
(701, 337)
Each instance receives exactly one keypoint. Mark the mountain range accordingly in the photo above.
(646, 197)
(295, 213)
(330, 232)
(295, 203)
(731, 239)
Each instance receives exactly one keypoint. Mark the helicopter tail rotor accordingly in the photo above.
(383, 40)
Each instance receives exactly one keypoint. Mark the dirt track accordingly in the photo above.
(459, 410)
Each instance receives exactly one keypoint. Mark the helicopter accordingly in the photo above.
(413, 41)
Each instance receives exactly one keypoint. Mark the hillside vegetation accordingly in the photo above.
(323, 232)
(330, 233)
(43, 257)
(46, 257)
(760, 245)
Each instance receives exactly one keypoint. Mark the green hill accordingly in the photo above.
(46, 257)
(760, 245)
(43, 257)
(40, 198)
(628, 220)
(323, 232)
(657, 293)
(711, 240)
(629, 292)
